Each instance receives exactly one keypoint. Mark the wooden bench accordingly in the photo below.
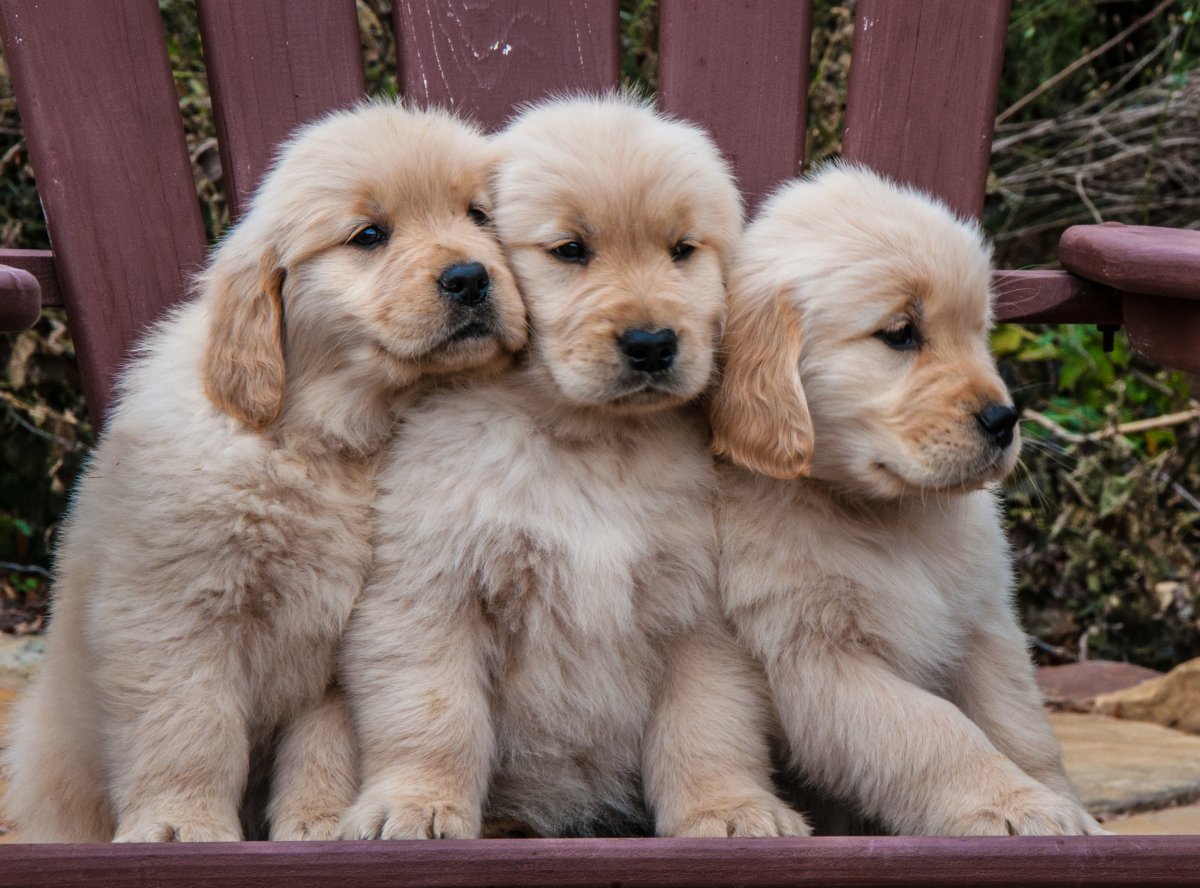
(95, 91)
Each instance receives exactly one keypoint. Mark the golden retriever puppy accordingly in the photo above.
(876, 591)
(221, 532)
(540, 640)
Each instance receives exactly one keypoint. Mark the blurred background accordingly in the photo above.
(1098, 120)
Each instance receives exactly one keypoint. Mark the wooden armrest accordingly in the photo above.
(20, 299)
(1135, 258)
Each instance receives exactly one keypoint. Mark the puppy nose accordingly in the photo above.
(649, 352)
(997, 422)
(467, 283)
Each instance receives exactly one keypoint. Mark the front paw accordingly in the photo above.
(1026, 811)
(306, 826)
(167, 828)
(749, 817)
(409, 817)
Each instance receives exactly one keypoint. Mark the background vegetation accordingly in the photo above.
(1099, 119)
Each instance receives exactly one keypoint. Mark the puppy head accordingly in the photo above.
(619, 223)
(368, 248)
(893, 294)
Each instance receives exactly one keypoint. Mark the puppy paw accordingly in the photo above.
(312, 826)
(1028, 811)
(178, 829)
(409, 818)
(758, 816)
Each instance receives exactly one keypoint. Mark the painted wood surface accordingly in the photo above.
(1053, 297)
(272, 65)
(99, 108)
(20, 299)
(740, 68)
(921, 102)
(834, 862)
(1135, 258)
(483, 58)
(40, 264)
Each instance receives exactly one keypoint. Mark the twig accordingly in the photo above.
(1080, 62)
(1125, 428)
(26, 569)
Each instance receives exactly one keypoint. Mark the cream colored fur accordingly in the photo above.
(221, 532)
(876, 592)
(540, 640)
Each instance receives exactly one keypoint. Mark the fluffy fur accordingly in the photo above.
(221, 532)
(540, 640)
(875, 592)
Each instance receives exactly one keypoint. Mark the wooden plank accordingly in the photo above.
(1053, 297)
(921, 102)
(40, 264)
(484, 57)
(272, 65)
(20, 299)
(100, 113)
(839, 862)
(1135, 258)
(1167, 331)
(741, 69)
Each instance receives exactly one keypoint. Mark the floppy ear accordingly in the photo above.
(243, 362)
(759, 414)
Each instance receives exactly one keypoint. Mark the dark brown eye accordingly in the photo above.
(681, 251)
(571, 251)
(369, 237)
(901, 337)
(478, 216)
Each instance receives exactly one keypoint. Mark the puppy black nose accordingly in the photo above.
(649, 352)
(467, 283)
(997, 422)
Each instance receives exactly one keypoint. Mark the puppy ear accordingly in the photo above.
(759, 414)
(243, 362)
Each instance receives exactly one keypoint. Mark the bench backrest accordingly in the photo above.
(97, 98)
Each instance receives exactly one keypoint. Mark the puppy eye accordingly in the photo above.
(681, 251)
(369, 237)
(901, 337)
(571, 251)
(478, 216)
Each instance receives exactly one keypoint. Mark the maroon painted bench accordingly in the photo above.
(95, 92)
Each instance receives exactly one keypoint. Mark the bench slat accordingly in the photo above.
(484, 57)
(274, 64)
(921, 102)
(845, 862)
(101, 115)
(741, 69)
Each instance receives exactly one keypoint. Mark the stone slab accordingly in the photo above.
(1121, 766)
(1171, 700)
(1183, 821)
(1074, 685)
(20, 656)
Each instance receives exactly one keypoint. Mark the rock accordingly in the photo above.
(1124, 766)
(1171, 700)
(1073, 686)
(1184, 821)
(20, 656)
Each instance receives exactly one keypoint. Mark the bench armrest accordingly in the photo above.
(1135, 258)
(20, 299)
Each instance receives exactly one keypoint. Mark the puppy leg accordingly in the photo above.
(996, 690)
(912, 759)
(315, 776)
(706, 765)
(179, 745)
(417, 682)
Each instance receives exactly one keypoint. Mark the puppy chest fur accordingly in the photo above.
(858, 580)
(581, 556)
